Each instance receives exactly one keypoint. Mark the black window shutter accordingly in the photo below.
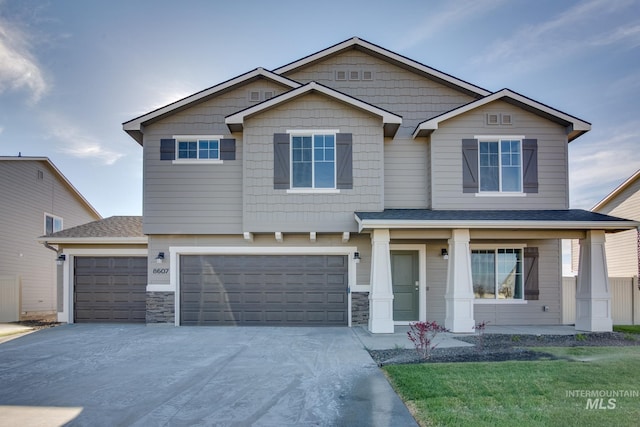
(281, 161)
(228, 149)
(470, 166)
(167, 149)
(530, 165)
(344, 161)
(531, 288)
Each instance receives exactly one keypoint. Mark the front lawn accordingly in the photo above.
(627, 329)
(539, 393)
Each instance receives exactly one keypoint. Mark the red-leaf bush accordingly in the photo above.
(421, 334)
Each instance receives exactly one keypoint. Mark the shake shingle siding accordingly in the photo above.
(267, 209)
(415, 98)
(193, 199)
(446, 160)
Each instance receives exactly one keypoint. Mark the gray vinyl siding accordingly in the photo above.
(550, 286)
(192, 199)
(446, 160)
(25, 200)
(436, 282)
(414, 97)
(622, 248)
(266, 209)
(162, 243)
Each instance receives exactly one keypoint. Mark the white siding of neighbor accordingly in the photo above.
(266, 209)
(622, 248)
(162, 243)
(194, 199)
(446, 160)
(414, 97)
(25, 200)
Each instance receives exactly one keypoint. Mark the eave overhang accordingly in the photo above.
(135, 127)
(94, 240)
(574, 126)
(390, 121)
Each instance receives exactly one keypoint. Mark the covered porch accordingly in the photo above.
(459, 252)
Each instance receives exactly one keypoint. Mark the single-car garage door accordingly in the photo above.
(110, 289)
(263, 290)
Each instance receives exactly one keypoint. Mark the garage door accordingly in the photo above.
(110, 289)
(263, 290)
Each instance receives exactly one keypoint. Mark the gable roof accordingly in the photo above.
(115, 229)
(574, 219)
(575, 127)
(391, 121)
(135, 126)
(389, 56)
(58, 174)
(619, 189)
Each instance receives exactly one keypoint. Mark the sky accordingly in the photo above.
(72, 71)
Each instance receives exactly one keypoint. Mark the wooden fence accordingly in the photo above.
(625, 300)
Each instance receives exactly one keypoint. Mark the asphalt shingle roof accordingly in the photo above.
(568, 215)
(114, 226)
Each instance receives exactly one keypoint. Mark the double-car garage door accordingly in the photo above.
(263, 290)
(110, 289)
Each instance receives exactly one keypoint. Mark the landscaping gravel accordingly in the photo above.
(502, 347)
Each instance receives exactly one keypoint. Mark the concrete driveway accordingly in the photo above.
(108, 375)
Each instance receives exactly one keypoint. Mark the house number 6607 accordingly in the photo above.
(160, 270)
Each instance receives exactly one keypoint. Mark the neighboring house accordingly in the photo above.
(623, 249)
(36, 199)
(358, 186)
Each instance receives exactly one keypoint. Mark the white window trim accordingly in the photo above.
(44, 219)
(491, 246)
(197, 138)
(313, 189)
(501, 193)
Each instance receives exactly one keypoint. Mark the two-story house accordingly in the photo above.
(36, 199)
(358, 186)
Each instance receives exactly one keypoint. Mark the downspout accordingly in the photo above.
(48, 246)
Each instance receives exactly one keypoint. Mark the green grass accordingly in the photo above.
(523, 393)
(629, 329)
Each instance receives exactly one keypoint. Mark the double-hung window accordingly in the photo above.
(500, 165)
(313, 163)
(207, 149)
(497, 273)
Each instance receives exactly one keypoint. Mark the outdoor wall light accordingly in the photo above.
(61, 259)
(444, 253)
(356, 257)
(160, 258)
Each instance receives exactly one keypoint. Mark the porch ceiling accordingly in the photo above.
(569, 219)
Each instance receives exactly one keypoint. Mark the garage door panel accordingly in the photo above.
(110, 289)
(266, 289)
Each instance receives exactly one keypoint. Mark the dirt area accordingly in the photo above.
(502, 347)
(38, 324)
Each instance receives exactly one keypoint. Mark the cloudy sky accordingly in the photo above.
(72, 71)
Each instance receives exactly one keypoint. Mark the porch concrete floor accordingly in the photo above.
(399, 338)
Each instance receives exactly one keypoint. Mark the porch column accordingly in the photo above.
(459, 296)
(381, 295)
(593, 295)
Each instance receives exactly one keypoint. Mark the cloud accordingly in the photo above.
(77, 142)
(19, 69)
(452, 15)
(597, 168)
(563, 35)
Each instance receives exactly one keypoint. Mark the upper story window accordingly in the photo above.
(500, 165)
(497, 273)
(52, 223)
(313, 162)
(199, 149)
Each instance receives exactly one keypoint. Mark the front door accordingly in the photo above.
(405, 279)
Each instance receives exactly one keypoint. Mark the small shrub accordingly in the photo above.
(421, 334)
(515, 338)
(581, 337)
(480, 327)
(630, 337)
